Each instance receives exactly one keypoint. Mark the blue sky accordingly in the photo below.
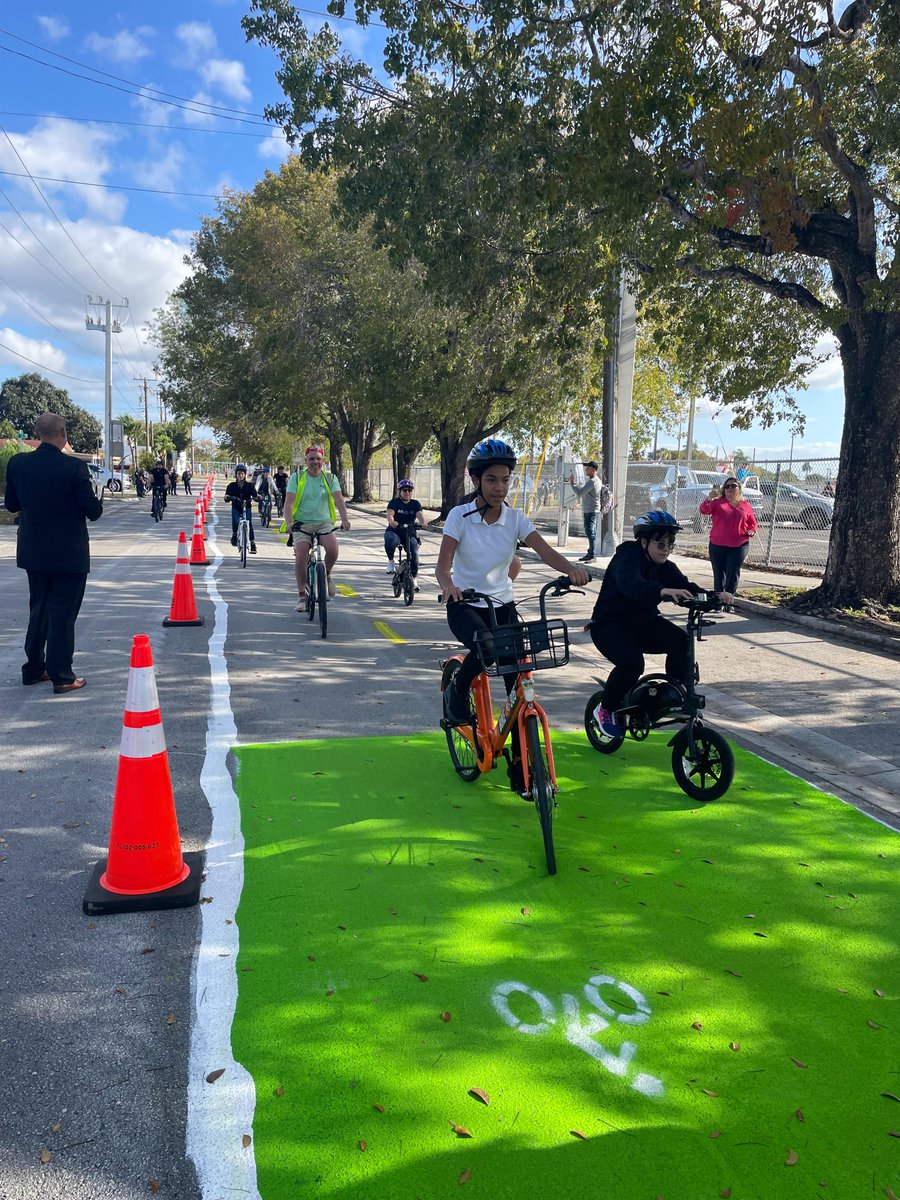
(130, 121)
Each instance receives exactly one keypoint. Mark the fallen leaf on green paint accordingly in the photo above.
(872, 1025)
(421, 978)
(445, 1017)
(799, 1115)
(465, 1176)
(792, 1159)
(577, 1133)
(460, 1130)
(735, 1046)
(378, 1107)
(480, 1094)
(363, 1146)
(798, 1063)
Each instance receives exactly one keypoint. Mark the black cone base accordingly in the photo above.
(196, 621)
(98, 900)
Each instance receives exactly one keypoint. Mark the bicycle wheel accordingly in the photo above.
(322, 597)
(709, 775)
(311, 588)
(538, 778)
(462, 753)
(157, 508)
(598, 739)
(409, 589)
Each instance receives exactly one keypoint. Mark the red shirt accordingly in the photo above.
(732, 524)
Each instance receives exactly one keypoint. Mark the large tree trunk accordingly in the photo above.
(455, 445)
(361, 437)
(863, 568)
(406, 456)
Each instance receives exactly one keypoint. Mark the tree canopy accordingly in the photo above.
(25, 397)
(742, 158)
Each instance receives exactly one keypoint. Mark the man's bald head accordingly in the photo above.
(50, 427)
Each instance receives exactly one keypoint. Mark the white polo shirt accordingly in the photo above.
(485, 551)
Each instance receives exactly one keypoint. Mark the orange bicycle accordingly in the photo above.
(476, 747)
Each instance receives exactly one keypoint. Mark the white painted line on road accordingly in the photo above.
(219, 1113)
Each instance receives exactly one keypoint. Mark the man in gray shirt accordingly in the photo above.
(591, 493)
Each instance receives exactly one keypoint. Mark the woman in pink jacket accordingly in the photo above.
(733, 525)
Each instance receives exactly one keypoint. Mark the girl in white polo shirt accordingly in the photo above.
(479, 542)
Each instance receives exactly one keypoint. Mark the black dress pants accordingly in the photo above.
(626, 646)
(54, 601)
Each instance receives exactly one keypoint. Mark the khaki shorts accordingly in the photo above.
(301, 529)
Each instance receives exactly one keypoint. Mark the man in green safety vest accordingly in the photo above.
(312, 504)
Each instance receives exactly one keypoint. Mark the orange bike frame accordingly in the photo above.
(489, 738)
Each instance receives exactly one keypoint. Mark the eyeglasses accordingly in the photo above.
(665, 541)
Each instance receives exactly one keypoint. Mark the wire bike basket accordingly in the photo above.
(529, 646)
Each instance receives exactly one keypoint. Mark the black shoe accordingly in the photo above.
(234, 539)
(515, 775)
(456, 707)
(589, 558)
(253, 547)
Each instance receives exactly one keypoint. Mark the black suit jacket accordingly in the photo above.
(54, 494)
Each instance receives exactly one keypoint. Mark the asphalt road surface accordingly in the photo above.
(95, 1014)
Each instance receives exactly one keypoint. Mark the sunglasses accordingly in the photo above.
(729, 486)
(668, 540)
(406, 489)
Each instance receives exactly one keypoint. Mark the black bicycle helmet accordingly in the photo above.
(654, 524)
(490, 453)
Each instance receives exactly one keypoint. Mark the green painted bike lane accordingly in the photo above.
(702, 1003)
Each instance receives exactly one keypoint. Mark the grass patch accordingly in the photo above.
(772, 595)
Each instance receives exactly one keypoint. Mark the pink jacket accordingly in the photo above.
(732, 524)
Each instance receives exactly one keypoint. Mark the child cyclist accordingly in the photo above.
(477, 550)
(626, 623)
(241, 493)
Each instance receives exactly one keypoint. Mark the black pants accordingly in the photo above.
(726, 563)
(465, 620)
(54, 599)
(410, 543)
(187, 488)
(625, 647)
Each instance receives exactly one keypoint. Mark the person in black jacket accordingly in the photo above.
(53, 493)
(626, 623)
(241, 493)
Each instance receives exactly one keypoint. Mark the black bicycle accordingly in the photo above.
(702, 760)
(316, 580)
(158, 504)
(265, 510)
(404, 581)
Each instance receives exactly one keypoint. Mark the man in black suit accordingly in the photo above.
(54, 494)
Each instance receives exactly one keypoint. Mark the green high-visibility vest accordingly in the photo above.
(301, 488)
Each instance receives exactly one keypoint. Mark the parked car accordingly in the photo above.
(642, 476)
(793, 504)
(105, 479)
(683, 491)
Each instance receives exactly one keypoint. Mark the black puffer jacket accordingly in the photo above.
(630, 594)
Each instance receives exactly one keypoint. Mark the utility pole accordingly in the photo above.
(146, 385)
(690, 431)
(107, 327)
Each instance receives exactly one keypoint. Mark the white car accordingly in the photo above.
(105, 479)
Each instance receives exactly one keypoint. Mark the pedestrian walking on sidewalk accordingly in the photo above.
(595, 499)
(733, 525)
(55, 498)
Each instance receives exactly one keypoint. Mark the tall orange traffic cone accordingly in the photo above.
(183, 610)
(200, 517)
(198, 550)
(144, 868)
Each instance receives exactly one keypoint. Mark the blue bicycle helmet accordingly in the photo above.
(404, 484)
(655, 523)
(489, 453)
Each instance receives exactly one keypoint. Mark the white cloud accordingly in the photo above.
(194, 116)
(163, 172)
(68, 150)
(54, 28)
(198, 40)
(37, 349)
(229, 76)
(123, 47)
(274, 148)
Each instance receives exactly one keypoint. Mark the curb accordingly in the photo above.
(887, 643)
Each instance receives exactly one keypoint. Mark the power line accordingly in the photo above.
(52, 211)
(42, 366)
(245, 133)
(137, 89)
(43, 317)
(81, 288)
(115, 187)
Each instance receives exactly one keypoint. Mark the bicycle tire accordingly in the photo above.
(242, 544)
(714, 762)
(322, 589)
(462, 753)
(409, 589)
(396, 583)
(598, 739)
(538, 778)
(311, 590)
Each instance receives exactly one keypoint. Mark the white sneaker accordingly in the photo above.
(301, 605)
(389, 569)
(331, 588)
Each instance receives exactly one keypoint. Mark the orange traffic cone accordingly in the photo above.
(198, 550)
(200, 515)
(183, 610)
(145, 868)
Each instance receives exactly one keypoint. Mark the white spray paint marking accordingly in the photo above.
(581, 1030)
(219, 1113)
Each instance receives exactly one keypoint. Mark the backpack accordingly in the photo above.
(605, 502)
